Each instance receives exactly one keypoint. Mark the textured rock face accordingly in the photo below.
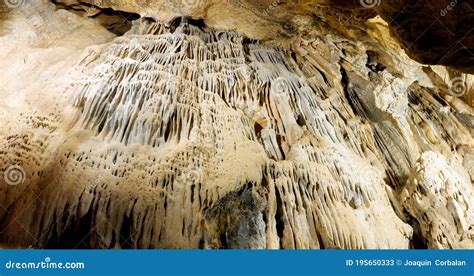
(432, 32)
(163, 132)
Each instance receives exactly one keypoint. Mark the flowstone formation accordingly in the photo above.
(172, 129)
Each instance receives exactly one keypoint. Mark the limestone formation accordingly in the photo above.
(229, 124)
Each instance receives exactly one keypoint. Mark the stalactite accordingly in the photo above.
(184, 136)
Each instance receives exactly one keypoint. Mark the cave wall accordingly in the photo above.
(181, 130)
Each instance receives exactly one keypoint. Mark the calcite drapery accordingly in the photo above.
(182, 136)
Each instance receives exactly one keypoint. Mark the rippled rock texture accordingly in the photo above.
(432, 32)
(145, 126)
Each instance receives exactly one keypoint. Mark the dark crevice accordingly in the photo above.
(117, 22)
(280, 138)
(301, 121)
(321, 243)
(125, 233)
(348, 92)
(373, 62)
(417, 241)
(201, 244)
(195, 22)
(258, 129)
(76, 235)
(173, 24)
(280, 225)
(293, 56)
(223, 240)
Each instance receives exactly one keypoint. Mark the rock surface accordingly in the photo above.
(285, 126)
(432, 32)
